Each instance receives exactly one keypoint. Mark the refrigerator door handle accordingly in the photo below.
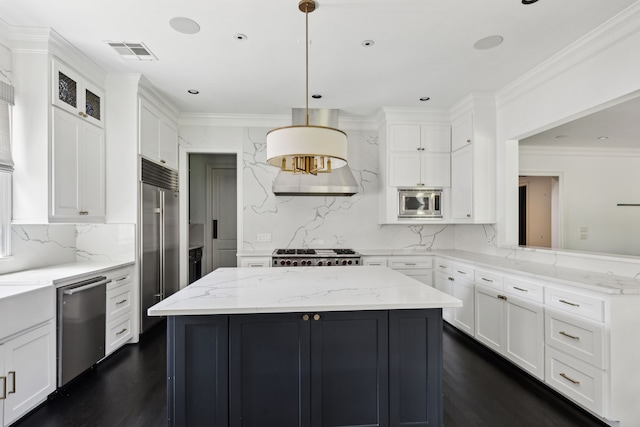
(215, 228)
(162, 248)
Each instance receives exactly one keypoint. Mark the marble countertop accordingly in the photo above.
(301, 289)
(57, 274)
(599, 282)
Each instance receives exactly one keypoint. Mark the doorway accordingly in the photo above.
(213, 209)
(538, 214)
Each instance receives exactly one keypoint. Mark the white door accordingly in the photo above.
(489, 318)
(222, 218)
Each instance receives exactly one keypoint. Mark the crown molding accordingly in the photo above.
(579, 151)
(615, 30)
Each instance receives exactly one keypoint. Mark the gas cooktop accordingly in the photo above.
(314, 257)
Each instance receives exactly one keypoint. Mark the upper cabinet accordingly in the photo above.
(77, 95)
(473, 160)
(158, 135)
(414, 152)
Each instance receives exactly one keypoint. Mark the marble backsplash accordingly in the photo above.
(41, 245)
(322, 222)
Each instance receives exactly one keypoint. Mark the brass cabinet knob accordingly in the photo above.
(316, 316)
(305, 317)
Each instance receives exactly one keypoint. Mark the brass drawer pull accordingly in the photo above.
(13, 376)
(462, 272)
(573, 337)
(451, 278)
(487, 280)
(442, 266)
(121, 302)
(83, 213)
(122, 331)
(122, 278)
(502, 297)
(409, 263)
(569, 303)
(566, 377)
(520, 289)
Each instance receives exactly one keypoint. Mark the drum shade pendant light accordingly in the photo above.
(307, 149)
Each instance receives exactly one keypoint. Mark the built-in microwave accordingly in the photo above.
(419, 203)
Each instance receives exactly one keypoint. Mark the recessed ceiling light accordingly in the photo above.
(193, 91)
(184, 25)
(368, 43)
(240, 36)
(488, 42)
(425, 98)
(316, 96)
(603, 137)
(528, 1)
(562, 136)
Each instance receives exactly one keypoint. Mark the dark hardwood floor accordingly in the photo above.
(480, 389)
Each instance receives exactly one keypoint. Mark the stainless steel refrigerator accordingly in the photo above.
(159, 240)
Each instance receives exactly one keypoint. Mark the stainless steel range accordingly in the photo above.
(314, 257)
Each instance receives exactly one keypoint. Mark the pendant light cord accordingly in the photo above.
(306, 19)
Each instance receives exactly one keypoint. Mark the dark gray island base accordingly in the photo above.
(340, 368)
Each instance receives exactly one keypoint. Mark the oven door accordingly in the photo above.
(419, 203)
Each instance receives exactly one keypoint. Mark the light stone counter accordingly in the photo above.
(599, 282)
(56, 274)
(285, 290)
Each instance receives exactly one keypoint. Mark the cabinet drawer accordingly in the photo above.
(576, 337)
(118, 302)
(583, 305)
(489, 278)
(373, 261)
(119, 278)
(442, 265)
(524, 289)
(411, 262)
(118, 332)
(575, 379)
(462, 271)
(255, 262)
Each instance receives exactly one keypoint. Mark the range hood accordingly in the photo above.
(339, 182)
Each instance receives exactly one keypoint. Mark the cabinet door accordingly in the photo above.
(404, 137)
(66, 136)
(93, 104)
(489, 318)
(149, 131)
(91, 171)
(197, 365)
(67, 88)
(31, 370)
(404, 169)
(415, 368)
(524, 335)
(436, 138)
(464, 317)
(349, 369)
(462, 184)
(436, 169)
(168, 145)
(444, 283)
(462, 132)
(269, 379)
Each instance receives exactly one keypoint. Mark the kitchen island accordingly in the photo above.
(317, 346)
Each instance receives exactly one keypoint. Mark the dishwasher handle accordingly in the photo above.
(85, 285)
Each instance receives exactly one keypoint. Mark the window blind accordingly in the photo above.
(6, 99)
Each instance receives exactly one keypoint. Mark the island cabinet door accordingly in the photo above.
(349, 369)
(415, 368)
(269, 370)
(197, 362)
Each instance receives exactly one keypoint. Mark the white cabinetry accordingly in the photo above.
(118, 311)
(77, 95)
(414, 151)
(27, 371)
(78, 169)
(456, 279)
(443, 281)
(419, 155)
(510, 320)
(158, 135)
(473, 178)
(255, 261)
(420, 267)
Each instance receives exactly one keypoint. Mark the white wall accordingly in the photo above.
(593, 183)
(312, 221)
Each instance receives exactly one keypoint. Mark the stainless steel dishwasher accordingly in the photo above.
(81, 326)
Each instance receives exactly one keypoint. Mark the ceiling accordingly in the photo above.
(423, 48)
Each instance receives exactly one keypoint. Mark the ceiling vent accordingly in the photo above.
(133, 51)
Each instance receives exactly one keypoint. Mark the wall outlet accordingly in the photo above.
(264, 237)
